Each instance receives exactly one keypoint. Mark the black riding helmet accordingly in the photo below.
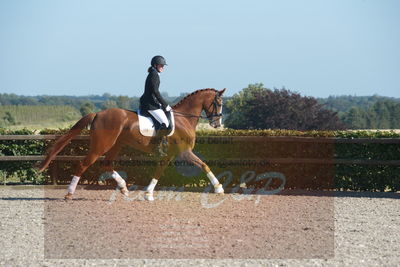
(158, 60)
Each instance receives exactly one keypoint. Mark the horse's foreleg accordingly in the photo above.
(159, 171)
(218, 189)
(192, 158)
(120, 182)
(109, 167)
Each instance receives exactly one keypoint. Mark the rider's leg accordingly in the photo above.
(160, 116)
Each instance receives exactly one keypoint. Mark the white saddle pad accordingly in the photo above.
(146, 125)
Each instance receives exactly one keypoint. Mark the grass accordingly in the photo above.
(38, 117)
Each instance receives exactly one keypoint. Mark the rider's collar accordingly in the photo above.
(155, 70)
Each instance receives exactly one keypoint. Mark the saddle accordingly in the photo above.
(148, 125)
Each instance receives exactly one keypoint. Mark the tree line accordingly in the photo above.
(92, 103)
(254, 107)
(383, 114)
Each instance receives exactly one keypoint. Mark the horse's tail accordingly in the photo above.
(64, 140)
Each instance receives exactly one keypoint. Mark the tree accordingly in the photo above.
(106, 96)
(355, 118)
(123, 102)
(256, 107)
(381, 109)
(86, 108)
(238, 109)
(394, 110)
(109, 104)
(9, 119)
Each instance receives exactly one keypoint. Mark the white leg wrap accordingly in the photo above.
(149, 191)
(212, 178)
(151, 186)
(73, 184)
(217, 186)
(120, 181)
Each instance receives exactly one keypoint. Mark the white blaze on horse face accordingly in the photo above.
(73, 184)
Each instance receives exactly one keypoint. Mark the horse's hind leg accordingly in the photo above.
(192, 158)
(83, 165)
(100, 143)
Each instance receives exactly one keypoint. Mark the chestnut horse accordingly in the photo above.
(113, 128)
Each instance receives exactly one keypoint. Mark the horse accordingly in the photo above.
(111, 129)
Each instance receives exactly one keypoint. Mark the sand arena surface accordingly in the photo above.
(100, 227)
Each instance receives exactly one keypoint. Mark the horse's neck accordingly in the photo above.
(191, 107)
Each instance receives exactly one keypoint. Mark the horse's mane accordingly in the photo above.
(191, 94)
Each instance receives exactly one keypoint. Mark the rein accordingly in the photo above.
(183, 114)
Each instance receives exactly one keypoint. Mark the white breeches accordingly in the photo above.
(160, 116)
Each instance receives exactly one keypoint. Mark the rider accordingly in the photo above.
(152, 101)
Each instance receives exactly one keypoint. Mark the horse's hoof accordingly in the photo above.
(218, 189)
(68, 196)
(148, 196)
(124, 191)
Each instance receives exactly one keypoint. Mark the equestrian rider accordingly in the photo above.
(152, 101)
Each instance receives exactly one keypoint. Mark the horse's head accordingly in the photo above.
(213, 108)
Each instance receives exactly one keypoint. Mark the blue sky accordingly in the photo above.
(316, 48)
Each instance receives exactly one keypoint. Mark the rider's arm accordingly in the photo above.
(155, 83)
(160, 98)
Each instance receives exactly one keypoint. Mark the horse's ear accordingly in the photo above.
(220, 93)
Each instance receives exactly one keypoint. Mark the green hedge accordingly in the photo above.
(218, 151)
(21, 171)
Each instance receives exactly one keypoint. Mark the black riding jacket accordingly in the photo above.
(151, 98)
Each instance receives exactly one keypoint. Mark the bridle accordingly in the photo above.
(214, 112)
